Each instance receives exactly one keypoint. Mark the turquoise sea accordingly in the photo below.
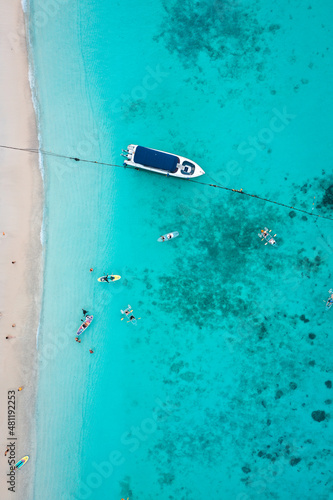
(213, 393)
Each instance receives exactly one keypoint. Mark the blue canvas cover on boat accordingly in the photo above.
(156, 159)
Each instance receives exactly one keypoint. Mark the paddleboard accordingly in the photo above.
(21, 462)
(167, 237)
(114, 276)
(85, 325)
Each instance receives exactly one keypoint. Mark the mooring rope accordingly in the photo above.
(215, 185)
(50, 153)
(240, 191)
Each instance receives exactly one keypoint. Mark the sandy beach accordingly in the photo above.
(20, 283)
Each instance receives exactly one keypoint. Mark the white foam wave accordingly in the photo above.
(37, 336)
(33, 87)
(25, 5)
(32, 81)
(35, 102)
(42, 232)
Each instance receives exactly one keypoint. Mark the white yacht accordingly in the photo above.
(161, 162)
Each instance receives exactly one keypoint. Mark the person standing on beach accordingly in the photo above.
(6, 451)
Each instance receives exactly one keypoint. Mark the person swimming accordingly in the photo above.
(329, 301)
(84, 313)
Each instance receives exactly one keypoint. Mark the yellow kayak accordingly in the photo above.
(109, 278)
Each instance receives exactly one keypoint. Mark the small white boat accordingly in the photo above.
(167, 237)
(161, 162)
(265, 235)
(329, 302)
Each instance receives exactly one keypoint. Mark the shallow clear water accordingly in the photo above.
(212, 393)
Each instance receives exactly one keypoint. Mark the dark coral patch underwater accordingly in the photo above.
(227, 33)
